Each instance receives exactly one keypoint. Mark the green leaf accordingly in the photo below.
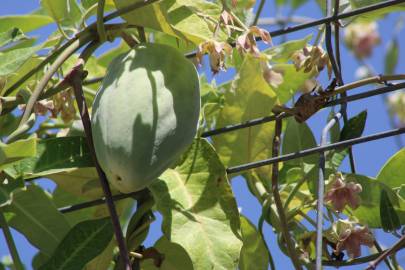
(83, 242)
(293, 80)
(66, 13)
(391, 57)
(22, 70)
(393, 171)
(388, 216)
(8, 123)
(195, 199)
(246, 98)
(283, 52)
(62, 199)
(82, 182)
(11, 61)
(181, 45)
(33, 214)
(369, 210)
(180, 18)
(254, 254)
(26, 23)
(298, 137)
(55, 155)
(138, 225)
(105, 59)
(11, 36)
(13, 152)
(38, 260)
(109, 4)
(377, 14)
(175, 257)
(354, 127)
(104, 259)
(7, 187)
(297, 3)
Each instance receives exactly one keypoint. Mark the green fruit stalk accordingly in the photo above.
(145, 114)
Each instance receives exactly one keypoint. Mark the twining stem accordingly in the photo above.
(10, 243)
(260, 228)
(100, 22)
(277, 199)
(75, 79)
(387, 262)
(86, 31)
(37, 68)
(259, 12)
(48, 75)
(336, 67)
(398, 245)
(294, 191)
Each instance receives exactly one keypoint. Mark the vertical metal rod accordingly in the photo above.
(321, 190)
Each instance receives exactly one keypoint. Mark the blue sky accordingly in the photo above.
(369, 157)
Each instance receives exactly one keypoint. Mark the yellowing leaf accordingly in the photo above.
(199, 210)
(192, 20)
(249, 97)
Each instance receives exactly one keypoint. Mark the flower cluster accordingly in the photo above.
(350, 236)
(340, 193)
(312, 59)
(246, 43)
(217, 52)
(362, 38)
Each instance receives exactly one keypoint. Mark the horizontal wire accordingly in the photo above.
(328, 19)
(266, 119)
(270, 118)
(79, 206)
(310, 151)
(253, 165)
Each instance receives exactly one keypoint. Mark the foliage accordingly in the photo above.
(43, 136)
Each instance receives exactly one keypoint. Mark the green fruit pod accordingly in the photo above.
(145, 114)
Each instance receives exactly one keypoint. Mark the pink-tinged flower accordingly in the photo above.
(340, 193)
(312, 59)
(350, 236)
(272, 76)
(43, 106)
(217, 52)
(226, 19)
(396, 103)
(64, 103)
(247, 41)
(362, 38)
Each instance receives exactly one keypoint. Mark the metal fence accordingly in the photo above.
(343, 100)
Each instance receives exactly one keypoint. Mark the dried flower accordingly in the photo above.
(350, 236)
(362, 38)
(340, 193)
(217, 52)
(226, 19)
(247, 42)
(43, 106)
(64, 103)
(271, 75)
(312, 59)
